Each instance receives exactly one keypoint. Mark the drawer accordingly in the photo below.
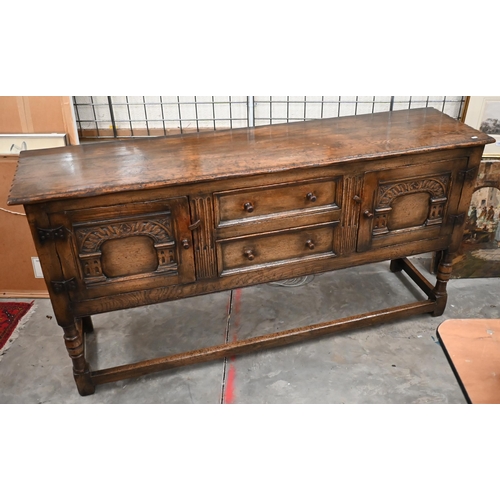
(250, 204)
(276, 248)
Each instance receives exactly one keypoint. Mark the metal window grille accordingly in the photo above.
(105, 117)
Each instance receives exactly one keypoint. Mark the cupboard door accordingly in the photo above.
(126, 247)
(410, 203)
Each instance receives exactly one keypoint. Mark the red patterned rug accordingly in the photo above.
(11, 314)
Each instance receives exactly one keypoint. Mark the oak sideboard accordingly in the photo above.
(122, 224)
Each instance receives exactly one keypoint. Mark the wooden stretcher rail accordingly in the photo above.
(257, 343)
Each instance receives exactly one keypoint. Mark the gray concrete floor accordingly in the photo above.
(398, 362)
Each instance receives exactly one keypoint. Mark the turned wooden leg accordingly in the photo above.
(396, 265)
(435, 263)
(87, 324)
(73, 338)
(443, 276)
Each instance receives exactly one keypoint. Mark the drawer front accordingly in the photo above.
(277, 248)
(234, 207)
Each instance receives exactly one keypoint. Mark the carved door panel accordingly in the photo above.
(411, 203)
(125, 248)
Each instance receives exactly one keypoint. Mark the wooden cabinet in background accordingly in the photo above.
(125, 224)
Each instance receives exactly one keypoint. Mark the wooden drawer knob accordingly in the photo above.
(368, 214)
(185, 244)
(248, 207)
(356, 198)
(310, 244)
(249, 254)
(311, 196)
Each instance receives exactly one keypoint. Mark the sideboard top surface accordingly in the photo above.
(146, 163)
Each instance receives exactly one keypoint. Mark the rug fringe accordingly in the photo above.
(18, 329)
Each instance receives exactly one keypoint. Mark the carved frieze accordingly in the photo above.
(91, 238)
(437, 187)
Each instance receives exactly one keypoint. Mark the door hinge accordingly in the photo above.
(468, 175)
(57, 233)
(456, 219)
(64, 285)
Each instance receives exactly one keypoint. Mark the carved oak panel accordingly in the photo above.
(409, 203)
(400, 204)
(144, 241)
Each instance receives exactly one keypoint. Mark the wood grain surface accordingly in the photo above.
(93, 169)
